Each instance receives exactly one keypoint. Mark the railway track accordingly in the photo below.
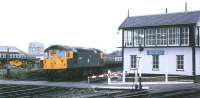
(25, 91)
(184, 93)
(28, 91)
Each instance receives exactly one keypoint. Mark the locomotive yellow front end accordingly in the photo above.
(56, 59)
(54, 62)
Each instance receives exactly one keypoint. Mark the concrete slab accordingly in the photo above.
(116, 87)
(154, 87)
(146, 83)
(68, 84)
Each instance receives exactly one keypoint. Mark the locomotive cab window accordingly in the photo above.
(61, 53)
(69, 54)
(52, 52)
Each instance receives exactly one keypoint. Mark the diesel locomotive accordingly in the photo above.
(60, 57)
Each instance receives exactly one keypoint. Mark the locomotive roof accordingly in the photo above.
(62, 47)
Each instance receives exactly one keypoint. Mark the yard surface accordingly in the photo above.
(45, 89)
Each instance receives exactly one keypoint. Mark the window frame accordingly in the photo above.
(133, 62)
(179, 62)
(150, 37)
(174, 35)
(138, 37)
(155, 62)
(128, 38)
(185, 36)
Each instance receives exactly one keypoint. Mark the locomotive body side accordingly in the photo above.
(86, 58)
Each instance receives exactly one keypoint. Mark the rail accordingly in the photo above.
(25, 91)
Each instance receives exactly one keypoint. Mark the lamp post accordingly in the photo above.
(140, 74)
(138, 78)
(7, 64)
(140, 49)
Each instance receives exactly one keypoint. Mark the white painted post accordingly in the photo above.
(166, 74)
(166, 77)
(88, 80)
(139, 68)
(123, 76)
(109, 76)
(136, 76)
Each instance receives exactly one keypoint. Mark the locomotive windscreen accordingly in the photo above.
(61, 53)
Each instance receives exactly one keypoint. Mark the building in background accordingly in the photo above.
(36, 49)
(114, 57)
(13, 56)
(11, 52)
(170, 43)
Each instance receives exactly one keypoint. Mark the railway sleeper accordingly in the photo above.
(14, 88)
(169, 94)
(32, 93)
(180, 93)
(20, 90)
(131, 94)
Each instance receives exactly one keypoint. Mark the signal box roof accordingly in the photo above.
(181, 18)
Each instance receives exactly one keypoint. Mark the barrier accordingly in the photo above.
(118, 74)
(96, 78)
(107, 76)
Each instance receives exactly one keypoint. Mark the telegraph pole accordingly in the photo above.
(7, 62)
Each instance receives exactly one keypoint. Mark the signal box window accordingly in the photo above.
(155, 62)
(180, 62)
(133, 61)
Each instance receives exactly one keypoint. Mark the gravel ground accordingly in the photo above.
(78, 93)
(84, 90)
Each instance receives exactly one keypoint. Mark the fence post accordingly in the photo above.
(123, 76)
(109, 76)
(166, 77)
(88, 80)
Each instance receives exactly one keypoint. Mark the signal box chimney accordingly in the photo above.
(186, 7)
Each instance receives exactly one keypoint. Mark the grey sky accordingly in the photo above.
(86, 23)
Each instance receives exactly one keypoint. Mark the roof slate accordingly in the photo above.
(161, 19)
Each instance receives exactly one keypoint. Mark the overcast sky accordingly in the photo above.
(86, 23)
